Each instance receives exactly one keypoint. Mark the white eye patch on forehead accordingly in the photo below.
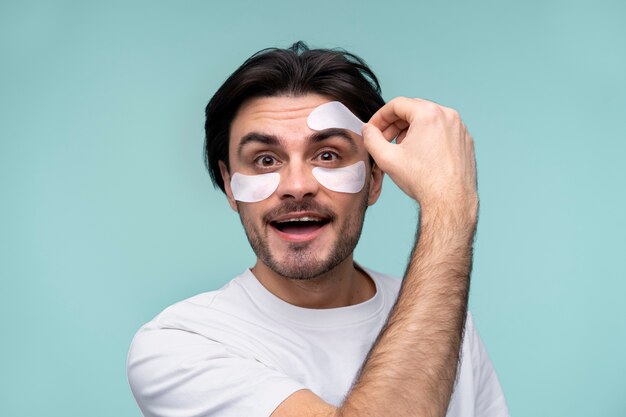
(350, 179)
(334, 115)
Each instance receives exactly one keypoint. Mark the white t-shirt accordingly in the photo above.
(240, 351)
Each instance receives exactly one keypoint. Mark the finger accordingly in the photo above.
(398, 109)
(391, 132)
(377, 145)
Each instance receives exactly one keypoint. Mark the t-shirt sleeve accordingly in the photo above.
(489, 399)
(176, 373)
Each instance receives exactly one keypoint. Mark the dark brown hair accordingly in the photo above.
(294, 71)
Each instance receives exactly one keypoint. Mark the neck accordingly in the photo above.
(342, 286)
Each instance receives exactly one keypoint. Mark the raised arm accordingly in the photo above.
(411, 368)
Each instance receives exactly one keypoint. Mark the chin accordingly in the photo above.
(303, 264)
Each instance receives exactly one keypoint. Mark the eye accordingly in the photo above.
(266, 161)
(328, 156)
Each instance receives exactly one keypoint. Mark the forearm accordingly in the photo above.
(411, 369)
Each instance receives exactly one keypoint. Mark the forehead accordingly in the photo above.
(275, 115)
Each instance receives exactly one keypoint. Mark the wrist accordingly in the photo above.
(454, 215)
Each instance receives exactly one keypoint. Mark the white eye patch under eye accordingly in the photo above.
(253, 188)
(334, 115)
(348, 179)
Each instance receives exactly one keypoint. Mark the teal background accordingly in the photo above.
(107, 214)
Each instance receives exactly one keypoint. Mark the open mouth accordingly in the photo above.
(300, 225)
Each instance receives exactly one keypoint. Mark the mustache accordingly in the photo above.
(290, 206)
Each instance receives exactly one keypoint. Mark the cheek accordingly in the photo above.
(251, 217)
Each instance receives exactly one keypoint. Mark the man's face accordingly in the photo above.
(303, 229)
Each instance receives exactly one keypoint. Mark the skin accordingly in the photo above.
(330, 276)
(411, 368)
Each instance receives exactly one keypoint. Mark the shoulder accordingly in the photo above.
(193, 359)
(181, 323)
(200, 307)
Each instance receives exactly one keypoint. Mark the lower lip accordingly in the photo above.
(299, 237)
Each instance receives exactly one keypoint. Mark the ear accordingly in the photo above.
(376, 184)
(229, 191)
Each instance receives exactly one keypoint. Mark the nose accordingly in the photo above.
(297, 182)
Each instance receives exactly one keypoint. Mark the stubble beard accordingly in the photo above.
(301, 262)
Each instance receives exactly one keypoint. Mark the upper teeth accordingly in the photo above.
(300, 219)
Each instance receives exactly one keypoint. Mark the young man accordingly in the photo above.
(308, 332)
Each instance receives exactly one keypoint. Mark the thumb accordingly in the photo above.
(377, 146)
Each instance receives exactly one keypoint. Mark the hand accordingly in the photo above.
(433, 159)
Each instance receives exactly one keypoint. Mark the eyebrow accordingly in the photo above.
(271, 140)
(333, 133)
